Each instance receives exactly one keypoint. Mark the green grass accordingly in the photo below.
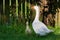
(17, 32)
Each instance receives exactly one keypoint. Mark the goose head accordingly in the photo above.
(36, 8)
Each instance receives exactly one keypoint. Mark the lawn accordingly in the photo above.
(17, 32)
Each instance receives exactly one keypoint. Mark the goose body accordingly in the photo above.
(39, 27)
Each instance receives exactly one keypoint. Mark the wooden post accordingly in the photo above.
(25, 10)
(3, 11)
(57, 17)
(10, 8)
(4, 6)
(21, 10)
(29, 12)
(16, 8)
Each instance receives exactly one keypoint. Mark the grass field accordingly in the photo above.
(13, 32)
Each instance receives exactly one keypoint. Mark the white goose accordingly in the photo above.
(39, 27)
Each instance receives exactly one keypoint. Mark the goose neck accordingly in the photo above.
(37, 15)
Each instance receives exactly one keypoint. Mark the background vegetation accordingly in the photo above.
(15, 13)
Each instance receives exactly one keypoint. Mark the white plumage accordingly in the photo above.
(39, 27)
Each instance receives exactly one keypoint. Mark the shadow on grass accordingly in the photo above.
(17, 33)
(50, 36)
(22, 36)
